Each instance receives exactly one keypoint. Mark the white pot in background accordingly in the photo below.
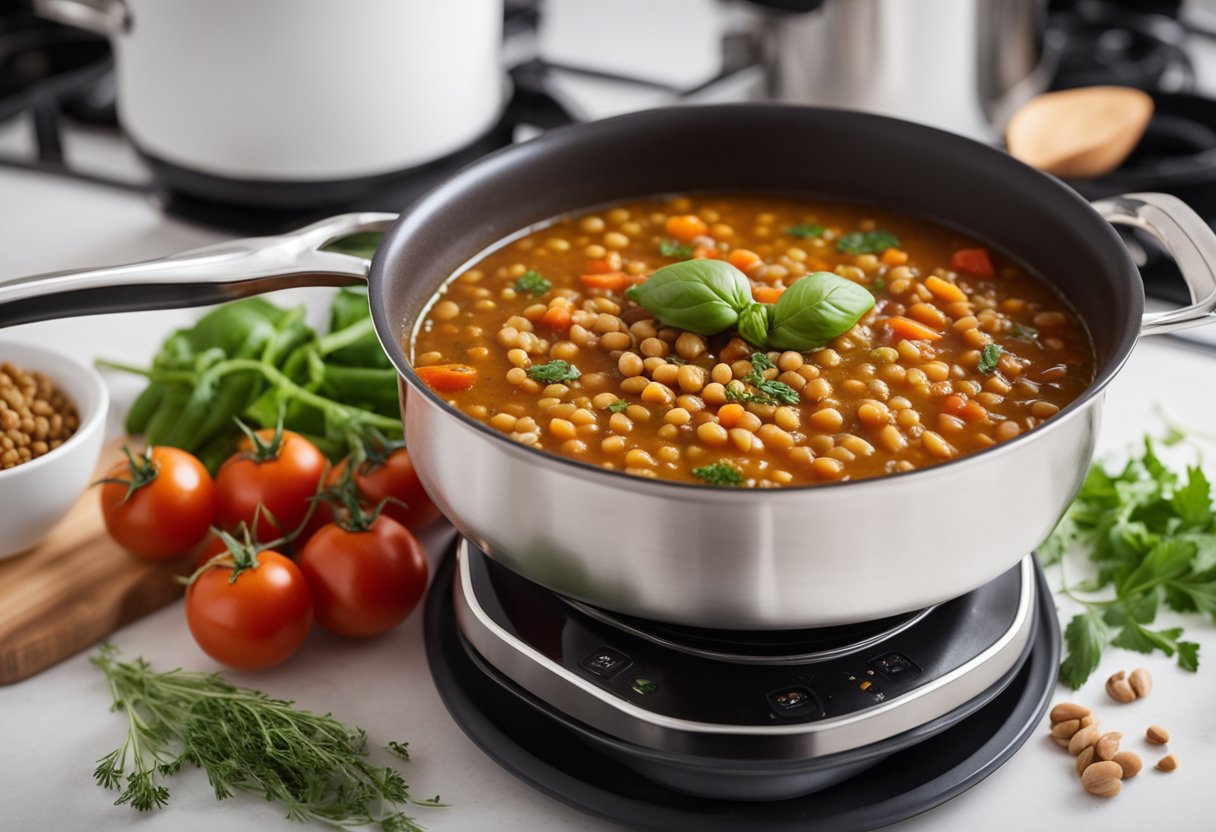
(300, 90)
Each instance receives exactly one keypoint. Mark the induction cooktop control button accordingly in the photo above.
(605, 662)
(794, 701)
(896, 666)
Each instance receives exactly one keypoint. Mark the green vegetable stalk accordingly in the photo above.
(711, 296)
(255, 361)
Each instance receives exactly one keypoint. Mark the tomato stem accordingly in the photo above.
(142, 472)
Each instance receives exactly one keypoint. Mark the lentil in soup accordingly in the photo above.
(962, 348)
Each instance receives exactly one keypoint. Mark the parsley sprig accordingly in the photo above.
(533, 283)
(805, 230)
(866, 242)
(767, 391)
(554, 372)
(1152, 535)
(719, 473)
(676, 249)
(989, 358)
(313, 765)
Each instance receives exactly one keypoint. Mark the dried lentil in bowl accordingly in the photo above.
(963, 349)
(35, 416)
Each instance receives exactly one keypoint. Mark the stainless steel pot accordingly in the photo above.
(964, 65)
(796, 557)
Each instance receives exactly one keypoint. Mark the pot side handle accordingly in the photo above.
(1188, 239)
(213, 274)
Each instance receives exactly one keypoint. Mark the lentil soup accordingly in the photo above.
(543, 340)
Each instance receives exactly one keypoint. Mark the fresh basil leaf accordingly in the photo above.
(753, 325)
(805, 230)
(1084, 637)
(816, 309)
(554, 372)
(989, 357)
(701, 296)
(866, 242)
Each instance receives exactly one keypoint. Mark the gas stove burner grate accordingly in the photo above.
(758, 646)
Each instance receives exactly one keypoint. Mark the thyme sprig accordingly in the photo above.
(313, 765)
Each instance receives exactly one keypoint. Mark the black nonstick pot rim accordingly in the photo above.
(419, 221)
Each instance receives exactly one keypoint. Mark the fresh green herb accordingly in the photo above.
(805, 230)
(313, 765)
(719, 473)
(531, 282)
(989, 357)
(254, 360)
(878, 285)
(866, 242)
(675, 359)
(1028, 334)
(778, 390)
(754, 323)
(815, 309)
(1021, 332)
(618, 406)
(673, 248)
(739, 393)
(1152, 536)
(701, 296)
(767, 391)
(710, 296)
(554, 372)
(761, 361)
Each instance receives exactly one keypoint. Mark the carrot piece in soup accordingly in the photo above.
(684, 227)
(973, 261)
(557, 317)
(944, 290)
(767, 294)
(447, 378)
(894, 257)
(912, 330)
(609, 282)
(743, 259)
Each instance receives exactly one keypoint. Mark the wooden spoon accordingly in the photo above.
(1079, 134)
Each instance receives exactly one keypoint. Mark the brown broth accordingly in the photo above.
(871, 402)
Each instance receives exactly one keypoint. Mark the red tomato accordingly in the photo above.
(396, 478)
(169, 511)
(364, 582)
(973, 261)
(283, 484)
(256, 621)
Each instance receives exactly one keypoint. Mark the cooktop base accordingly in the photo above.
(555, 760)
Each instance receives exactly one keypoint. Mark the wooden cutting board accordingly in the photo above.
(75, 588)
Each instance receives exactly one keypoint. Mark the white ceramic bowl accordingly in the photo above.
(35, 495)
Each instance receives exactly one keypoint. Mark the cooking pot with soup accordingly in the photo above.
(901, 407)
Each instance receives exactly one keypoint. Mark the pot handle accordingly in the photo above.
(1188, 239)
(202, 276)
(108, 18)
